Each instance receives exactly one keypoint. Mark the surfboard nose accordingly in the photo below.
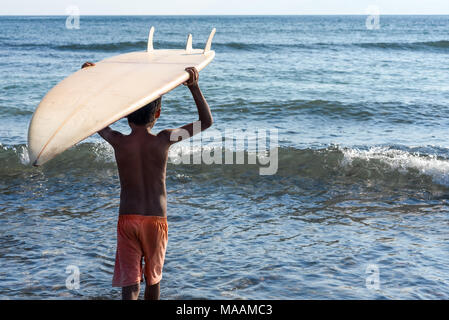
(35, 154)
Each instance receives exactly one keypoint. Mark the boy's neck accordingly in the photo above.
(140, 129)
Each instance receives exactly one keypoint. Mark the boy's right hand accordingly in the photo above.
(87, 64)
(194, 75)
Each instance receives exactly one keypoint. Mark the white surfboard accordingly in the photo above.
(95, 97)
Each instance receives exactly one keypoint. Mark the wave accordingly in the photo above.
(411, 46)
(433, 45)
(411, 168)
(387, 111)
(321, 108)
(442, 45)
(396, 112)
(100, 47)
(114, 46)
(12, 111)
(399, 161)
(141, 45)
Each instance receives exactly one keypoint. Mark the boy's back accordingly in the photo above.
(142, 160)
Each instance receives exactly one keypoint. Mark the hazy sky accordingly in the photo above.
(154, 7)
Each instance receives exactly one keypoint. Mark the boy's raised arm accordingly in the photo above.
(110, 135)
(205, 117)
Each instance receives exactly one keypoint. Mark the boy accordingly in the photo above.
(142, 160)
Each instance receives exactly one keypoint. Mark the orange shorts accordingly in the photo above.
(139, 237)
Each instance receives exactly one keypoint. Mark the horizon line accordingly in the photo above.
(230, 15)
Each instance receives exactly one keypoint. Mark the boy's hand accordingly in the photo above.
(194, 75)
(87, 64)
(205, 117)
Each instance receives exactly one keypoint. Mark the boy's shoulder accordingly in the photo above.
(113, 137)
(164, 134)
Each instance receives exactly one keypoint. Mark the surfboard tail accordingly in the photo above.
(189, 47)
(209, 41)
(150, 40)
(189, 43)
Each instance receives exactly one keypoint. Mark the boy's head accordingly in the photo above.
(147, 115)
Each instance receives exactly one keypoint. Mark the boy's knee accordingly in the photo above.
(152, 285)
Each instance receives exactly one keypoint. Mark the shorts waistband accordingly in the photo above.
(140, 217)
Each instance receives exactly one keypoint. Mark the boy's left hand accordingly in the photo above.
(193, 79)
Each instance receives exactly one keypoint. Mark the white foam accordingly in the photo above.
(103, 152)
(176, 152)
(402, 161)
(20, 151)
(24, 156)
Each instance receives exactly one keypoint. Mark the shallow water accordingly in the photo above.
(363, 175)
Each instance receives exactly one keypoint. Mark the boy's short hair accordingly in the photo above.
(145, 114)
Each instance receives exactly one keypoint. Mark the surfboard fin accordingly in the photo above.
(189, 43)
(209, 41)
(150, 40)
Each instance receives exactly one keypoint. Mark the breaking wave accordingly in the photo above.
(406, 167)
(441, 45)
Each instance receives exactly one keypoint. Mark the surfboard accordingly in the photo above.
(95, 97)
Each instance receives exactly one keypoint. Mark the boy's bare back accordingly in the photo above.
(142, 160)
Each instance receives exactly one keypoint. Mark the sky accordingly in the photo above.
(221, 7)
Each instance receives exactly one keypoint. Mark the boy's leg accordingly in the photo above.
(131, 292)
(152, 292)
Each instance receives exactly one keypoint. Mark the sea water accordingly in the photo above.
(358, 206)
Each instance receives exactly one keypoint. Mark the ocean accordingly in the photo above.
(358, 206)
